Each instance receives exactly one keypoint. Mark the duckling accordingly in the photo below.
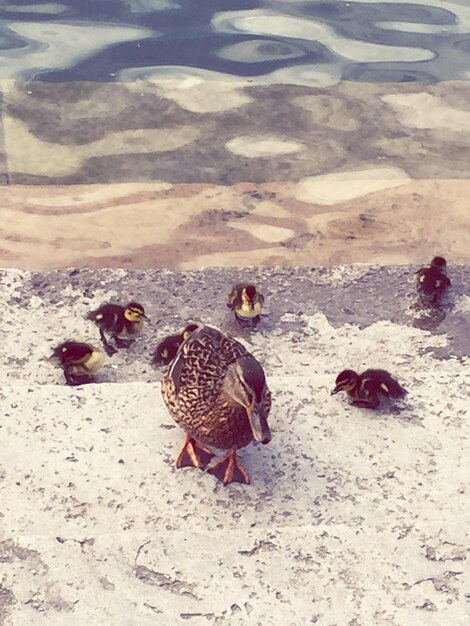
(246, 302)
(432, 281)
(116, 320)
(366, 388)
(217, 391)
(166, 350)
(78, 360)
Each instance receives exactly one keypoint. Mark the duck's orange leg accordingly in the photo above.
(230, 470)
(194, 454)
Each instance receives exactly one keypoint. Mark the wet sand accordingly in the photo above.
(327, 220)
(195, 174)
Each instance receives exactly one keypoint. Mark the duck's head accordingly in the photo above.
(135, 312)
(345, 381)
(248, 295)
(439, 263)
(245, 383)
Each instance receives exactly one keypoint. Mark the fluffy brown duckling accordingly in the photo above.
(166, 350)
(367, 388)
(79, 361)
(117, 320)
(246, 302)
(217, 392)
(432, 281)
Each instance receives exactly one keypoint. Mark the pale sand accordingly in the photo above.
(326, 220)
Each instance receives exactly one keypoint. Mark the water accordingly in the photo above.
(299, 42)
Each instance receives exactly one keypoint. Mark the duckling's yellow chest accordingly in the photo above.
(133, 328)
(94, 362)
(246, 311)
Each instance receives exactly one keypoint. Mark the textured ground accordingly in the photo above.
(352, 518)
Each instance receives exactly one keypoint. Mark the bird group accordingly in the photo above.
(80, 361)
(213, 387)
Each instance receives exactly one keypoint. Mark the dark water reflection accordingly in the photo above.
(303, 42)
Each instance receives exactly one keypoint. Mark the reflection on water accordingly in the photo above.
(297, 41)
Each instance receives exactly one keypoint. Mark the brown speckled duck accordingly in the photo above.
(246, 302)
(367, 388)
(216, 390)
(78, 360)
(432, 281)
(118, 320)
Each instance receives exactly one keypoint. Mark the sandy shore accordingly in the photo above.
(377, 216)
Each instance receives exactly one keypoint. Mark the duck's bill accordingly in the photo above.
(147, 319)
(335, 390)
(259, 425)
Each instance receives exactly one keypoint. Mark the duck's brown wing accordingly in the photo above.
(199, 368)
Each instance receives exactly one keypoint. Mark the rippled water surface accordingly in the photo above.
(303, 42)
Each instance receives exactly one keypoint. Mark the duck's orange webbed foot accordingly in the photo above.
(194, 454)
(229, 470)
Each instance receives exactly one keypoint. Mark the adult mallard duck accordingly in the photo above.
(366, 389)
(216, 390)
(78, 360)
(432, 281)
(246, 302)
(118, 320)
